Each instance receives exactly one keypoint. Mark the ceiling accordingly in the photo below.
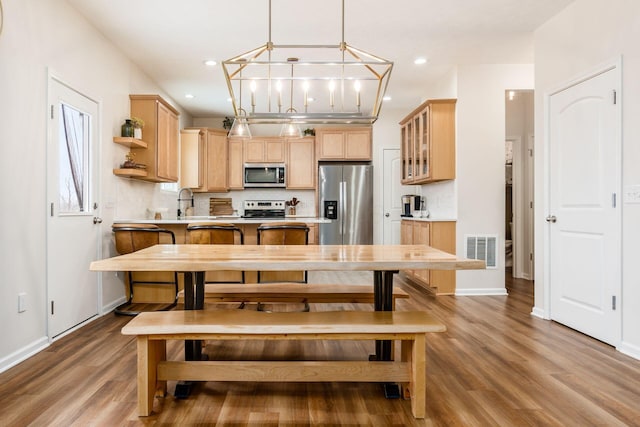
(170, 39)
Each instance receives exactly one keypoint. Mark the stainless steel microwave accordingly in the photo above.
(264, 175)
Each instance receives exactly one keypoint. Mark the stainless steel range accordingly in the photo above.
(264, 209)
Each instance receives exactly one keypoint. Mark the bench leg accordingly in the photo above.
(150, 353)
(415, 353)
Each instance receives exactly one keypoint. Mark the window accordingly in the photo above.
(74, 156)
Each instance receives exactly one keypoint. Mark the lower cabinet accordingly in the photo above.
(440, 235)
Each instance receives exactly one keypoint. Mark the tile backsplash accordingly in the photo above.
(306, 207)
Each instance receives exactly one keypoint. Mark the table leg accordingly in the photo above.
(383, 301)
(193, 300)
(189, 345)
(199, 298)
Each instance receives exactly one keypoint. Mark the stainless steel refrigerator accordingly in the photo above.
(346, 197)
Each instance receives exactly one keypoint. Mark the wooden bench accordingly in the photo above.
(153, 329)
(290, 293)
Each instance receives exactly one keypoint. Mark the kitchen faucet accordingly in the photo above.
(180, 199)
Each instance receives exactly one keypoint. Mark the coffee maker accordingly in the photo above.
(410, 205)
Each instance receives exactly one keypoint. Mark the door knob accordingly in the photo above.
(97, 220)
(551, 218)
(387, 214)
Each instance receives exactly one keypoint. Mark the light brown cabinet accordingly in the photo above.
(347, 143)
(428, 143)
(160, 133)
(236, 159)
(301, 168)
(204, 160)
(192, 158)
(440, 235)
(264, 150)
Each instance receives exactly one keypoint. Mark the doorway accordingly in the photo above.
(392, 191)
(519, 190)
(73, 224)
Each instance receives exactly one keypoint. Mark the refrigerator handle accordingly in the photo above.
(343, 205)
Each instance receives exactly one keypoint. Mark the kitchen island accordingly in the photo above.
(249, 227)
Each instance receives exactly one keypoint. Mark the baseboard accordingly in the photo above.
(630, 350)
(538, 312)
(480, 292)
(110, 307)
(23, 354)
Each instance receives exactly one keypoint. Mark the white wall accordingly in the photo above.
(476, 198)
(480, 137)
(588, 33)
(39, 36)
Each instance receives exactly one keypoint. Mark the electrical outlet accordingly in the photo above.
(22, 302)
(631, 194)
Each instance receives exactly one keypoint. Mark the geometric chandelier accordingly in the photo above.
(297, 84)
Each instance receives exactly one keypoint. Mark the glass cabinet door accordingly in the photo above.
(403, 152)
(408, 152)
(416, 148)
(425, 143)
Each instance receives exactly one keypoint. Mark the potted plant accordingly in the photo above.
(138, 124)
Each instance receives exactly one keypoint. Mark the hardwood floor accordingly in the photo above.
(495, 366)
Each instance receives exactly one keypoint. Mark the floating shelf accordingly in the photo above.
(129, 142)
(131, 173)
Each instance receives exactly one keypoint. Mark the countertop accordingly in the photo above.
(417, 218)
(229, 219)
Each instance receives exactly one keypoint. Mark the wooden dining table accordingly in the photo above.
(194, 260)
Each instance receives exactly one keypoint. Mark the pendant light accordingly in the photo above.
(240, 126)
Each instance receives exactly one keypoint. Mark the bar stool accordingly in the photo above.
(216, 233)
(133, 237)
(283, 233)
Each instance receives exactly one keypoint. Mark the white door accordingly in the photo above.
(73, 229)
(393, 191)
(584, 217)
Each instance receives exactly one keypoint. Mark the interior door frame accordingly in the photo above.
(52, 75)
(612, 64)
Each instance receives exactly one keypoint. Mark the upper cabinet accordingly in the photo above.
(204, 160)
(428, 143)
(301, 167)
(264, 150)
(192, 158)
(236, 164)
(347, 143)
(160, 133)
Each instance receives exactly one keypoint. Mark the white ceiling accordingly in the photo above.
(170, 39)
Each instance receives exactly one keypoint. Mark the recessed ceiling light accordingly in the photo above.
(188, 95)
(420, 61)
(210, 63)
(228, 99)
(386, 98)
